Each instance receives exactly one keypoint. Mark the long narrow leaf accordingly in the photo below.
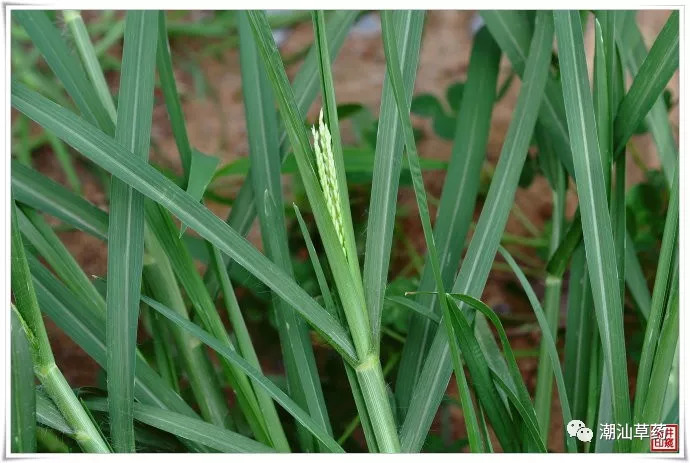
(663, 362)
(194, 429)
(477, 264)
(484, 387)
(29, 315)
(305, 86)
(65, 65)
(596, 223)
(457, 201)
(634, 51)
(23, 405)
(262, 131)
(162, 226)
(172, 96)
(260, 380)
(126, 231)
(660, 297)
(76, 25)
(649, 83)
(387, 164)
(106, 152)
(550, 344)
(161, 283)
(244, 342)
(579, 336)
(41, 193)
(512, 31)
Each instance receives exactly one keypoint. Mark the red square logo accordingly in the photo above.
(663, 438)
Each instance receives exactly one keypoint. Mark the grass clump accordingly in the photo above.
(163, 282)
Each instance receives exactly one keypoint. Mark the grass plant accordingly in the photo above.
(178, 275)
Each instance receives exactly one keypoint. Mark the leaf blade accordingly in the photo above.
(596, 222)
(126, 230)
(477, 263)
(112, 157)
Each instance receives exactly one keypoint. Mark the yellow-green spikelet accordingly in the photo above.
(327, 176)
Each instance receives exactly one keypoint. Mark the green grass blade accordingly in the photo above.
(316, 264)
(163, 284)
(484, 387)
(474, 432)
(477, 264)
(457, 201)
(522, 396)
(602, 89)
(29, 314)
(88, 332)
(163, 351)
(400, 92)
(635, 281)
(337, 311)
(637, 284)
(201, 172)
(42, 193)
(560, 258)
(596, 223)
(526, 411)
(259, 380)
(546, 336)
(660, 383)
(81, 38)
(471, 423)
(210, 435)
(650, 81)
(126, 231)
(274, 427)
(351, 293)
(660, 297)
(200, 373)
(65, 65)
(512, 31)
(415, 307)
(162, 226)
(84, 324)
(663, 362)
(66, 163)
(104, 151)
(395, 77)
(556, 176)
(579, 336)
(331, 118)
(23, 405)
(634, 52)
(110, 37)
(172, 97)
(262, 130)
(48, 245)
(305, 86)
(47, 413)
(386, 174)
